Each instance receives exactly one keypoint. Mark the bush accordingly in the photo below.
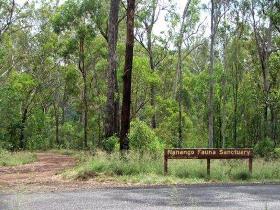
(111, 143)
(145, 168)
(143, 138)
(264, 148)
(241, 175)
(71, 136)
(16, 158)
(36, 142)
(277, 152)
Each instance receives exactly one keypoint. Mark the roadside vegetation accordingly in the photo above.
(16, 158)
(80, 75)
(142, 168)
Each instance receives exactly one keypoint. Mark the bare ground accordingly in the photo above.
(43, 175)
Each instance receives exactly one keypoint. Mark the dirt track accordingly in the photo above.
(40, 173)
(44, 175)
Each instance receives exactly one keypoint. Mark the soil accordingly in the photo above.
(44, 175)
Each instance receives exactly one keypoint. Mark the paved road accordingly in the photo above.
(264, 197)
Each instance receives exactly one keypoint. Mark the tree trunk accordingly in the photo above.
(211, 81)
(179, 76)
(223, 87)
(153, 120)
(56, 116)
(263, 44)
(235, 103)
(266, 80)
(179, 46)
(151, 60)
(22, 128)
(180, 129)
(112, 106)
(85, 96)
(85, 112)
(273, 126)
(99, 130)
(223, 110)
(63, 106)
(125, 115)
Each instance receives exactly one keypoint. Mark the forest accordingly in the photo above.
(139, 75)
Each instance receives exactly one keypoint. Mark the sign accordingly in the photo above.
(202, 153)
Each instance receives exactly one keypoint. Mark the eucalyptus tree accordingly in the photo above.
(13, 14)
(75, 17)
(216, 16)
(13, 18)
(265, 27)
(148, 13)
(231, 36)
(188, 29)
(9, 14)
(112, 106)
(126, 100)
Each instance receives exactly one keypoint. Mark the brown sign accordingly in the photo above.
(208, 153)
(202, 153)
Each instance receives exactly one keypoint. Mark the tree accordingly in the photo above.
(112, 105)
(263, 39)
(7, 13)
(211, 81)
(216, 15)
(59, 79)
(73, 15)
(126, 101)
(179, 71)
(148, 16)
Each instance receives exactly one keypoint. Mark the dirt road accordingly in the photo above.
(40, 173)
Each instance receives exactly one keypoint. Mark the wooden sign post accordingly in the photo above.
(201, 153)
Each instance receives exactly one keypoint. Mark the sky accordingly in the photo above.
(161, 25)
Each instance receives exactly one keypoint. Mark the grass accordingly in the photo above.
(16, 158)
(147, 170)
(80, 155)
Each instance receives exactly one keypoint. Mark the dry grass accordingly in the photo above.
(145, 169)
(16, 158)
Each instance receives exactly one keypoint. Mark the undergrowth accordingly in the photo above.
(147, 169)
(16, 158)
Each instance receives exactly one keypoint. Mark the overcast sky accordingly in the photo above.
(161, 25)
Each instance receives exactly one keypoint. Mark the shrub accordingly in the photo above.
(110, 143)
(264, 148)
(144, 168)
(71, 136)
(277, 152)
(37, 142)
(241, 175)
(142, 138)
(16, 158)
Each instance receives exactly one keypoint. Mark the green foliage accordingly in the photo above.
(143, 73)
(242, 175)
(39, 70)
(277, 152)
(71, 136)
(37, 131)
(264, 148)
(145, 168)
(111, 143)
(113, 165)
(16, 158)
(143, 138)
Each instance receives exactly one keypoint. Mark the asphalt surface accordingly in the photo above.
(264, 197)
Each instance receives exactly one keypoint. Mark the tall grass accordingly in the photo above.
(146, 169)
(16, 158)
